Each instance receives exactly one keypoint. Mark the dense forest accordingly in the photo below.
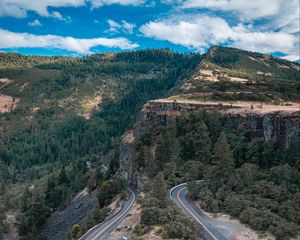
(244, 176)
(44, 153)
(62, 131)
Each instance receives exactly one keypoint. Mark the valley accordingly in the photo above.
(148, 120)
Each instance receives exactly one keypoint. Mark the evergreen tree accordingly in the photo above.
(162, 152)
(63, 177)
(159, 189)
(175, 152)
(151, 166)
(202, 142)
(193, 190)
(223, 161)
(170, 173)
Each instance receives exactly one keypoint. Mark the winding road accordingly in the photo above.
(102, 230)
(213, 229)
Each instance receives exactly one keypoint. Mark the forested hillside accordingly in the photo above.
(62, 118)
(244, 176)
(230, 74)
(71, 111)
(225, 126)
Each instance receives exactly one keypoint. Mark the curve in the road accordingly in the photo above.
(178, 195)
(102, 230)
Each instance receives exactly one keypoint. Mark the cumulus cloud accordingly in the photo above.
(123, 26)
(19, 8)
(278, 14)
(82, 46)
(261, 25)
(35, 23)
(248, 9)
(201, 31)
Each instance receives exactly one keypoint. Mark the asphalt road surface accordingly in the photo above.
(212, 229)
(102, 230)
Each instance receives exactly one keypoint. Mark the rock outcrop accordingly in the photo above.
(61, 221)
(269, 122)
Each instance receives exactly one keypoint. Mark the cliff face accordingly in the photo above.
(269, 122)
(61, 221)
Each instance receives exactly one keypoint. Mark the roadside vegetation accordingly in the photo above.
(71, 112)
(253, 180)
(46, 144)
(157, 210)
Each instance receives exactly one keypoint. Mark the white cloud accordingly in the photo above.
(100, 3)
(125, 27)
(247, 9)
(60, 17)
(57, 15)
(292, 58)
(19, 8)
(82, 46)
(272, 25)
(277, 14)
(35, 23)
(200, 32)
(197, 34)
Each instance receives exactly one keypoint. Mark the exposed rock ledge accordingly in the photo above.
(60, 222)
(266, 121)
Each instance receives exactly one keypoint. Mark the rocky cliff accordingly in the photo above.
(269, 122)
(61, 221)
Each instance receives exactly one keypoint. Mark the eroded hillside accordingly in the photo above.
(231, 74)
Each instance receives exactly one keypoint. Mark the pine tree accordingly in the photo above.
(202, 142)
(223, 161)
(193, 190)
(197, 143)
(63, 177)
(175, 152)
(161, 152)
(159, 189)
(170, 173)
(151, 166)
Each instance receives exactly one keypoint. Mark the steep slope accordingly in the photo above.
(61, 118)
(70, 112)
(231, 74)
(236, 124)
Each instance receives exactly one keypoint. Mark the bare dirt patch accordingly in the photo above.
(88, 104)
(240, 106)
(264, 74)
(254, 59)
(128, 224)
(7, 103)
(215, 75)
(154, 234)
(11, 223)
(83, 105)
(4, 82)
(23, 87)
(129, 137)
(242, 232)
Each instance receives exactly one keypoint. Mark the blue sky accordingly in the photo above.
(79, 27)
